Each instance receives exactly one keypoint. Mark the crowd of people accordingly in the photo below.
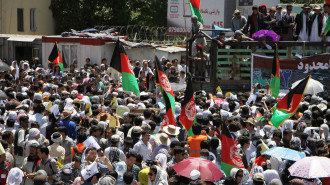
(80, 127)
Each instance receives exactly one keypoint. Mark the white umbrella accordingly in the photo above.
(313, 86)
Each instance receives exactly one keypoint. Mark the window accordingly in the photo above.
(20, 20)
(69, 55)
(33, 19)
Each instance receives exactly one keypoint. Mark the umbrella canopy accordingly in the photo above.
(4, 66)
(285, 153)
(270, 35)
(313, 86)
(311, 167)
(208, 170)
(3, 95)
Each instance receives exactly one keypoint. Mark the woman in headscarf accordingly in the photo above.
(162, 160)
(196, 37)
(237, 174)
(33, 137)
(106, 80)
(14, 66)
(157, 176)
(270, 175)
(26, 67)
(15, 176)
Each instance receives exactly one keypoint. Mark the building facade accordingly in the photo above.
(26, 17)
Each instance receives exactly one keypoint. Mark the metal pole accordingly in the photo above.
(185, 20)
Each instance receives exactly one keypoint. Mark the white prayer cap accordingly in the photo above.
(195, 174)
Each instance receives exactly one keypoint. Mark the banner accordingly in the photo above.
(211, 10)
(291, 70)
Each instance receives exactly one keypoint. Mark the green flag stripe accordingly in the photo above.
(195, 11)
(275, 86)
(227, 168)
(279, 116)
(130, 83)
(172, 100)
(61, 66)
(327, 26)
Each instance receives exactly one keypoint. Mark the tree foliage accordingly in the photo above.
(82, 14)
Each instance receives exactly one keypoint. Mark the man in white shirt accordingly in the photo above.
(143, 147)
(39, 117)
(112, 152)
(145, 68)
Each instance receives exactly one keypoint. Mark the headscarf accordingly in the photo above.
(233, 172)
(162, 159)
(107, 180)
(56, 140)
(143, 176)
(15, 176)
(28, 66)
(16, 68)
(270, 175)
(257, 169)
(33, 132)
(161, 177)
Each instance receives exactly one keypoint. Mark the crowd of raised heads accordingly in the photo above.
(79, 127)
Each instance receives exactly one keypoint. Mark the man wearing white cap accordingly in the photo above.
(195, 175)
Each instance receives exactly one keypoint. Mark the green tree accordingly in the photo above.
(82, 14)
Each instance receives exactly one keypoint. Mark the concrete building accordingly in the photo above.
(26, 17)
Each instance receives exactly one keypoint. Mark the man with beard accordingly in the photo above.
(31, 165)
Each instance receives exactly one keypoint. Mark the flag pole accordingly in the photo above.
(156, 72)
(185, 20)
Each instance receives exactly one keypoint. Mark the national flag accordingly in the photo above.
(55, 57)
(169, 118)
(287, 106)
(188, 108)
(258, 117)
(194, 7)
(327, 25)
(120, 63)
(326, 1)
(167, 92)
(275, 81)
(230, 157)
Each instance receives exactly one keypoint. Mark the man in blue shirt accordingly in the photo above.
(70, 125)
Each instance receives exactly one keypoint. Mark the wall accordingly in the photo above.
(247, 10)
(44, 17)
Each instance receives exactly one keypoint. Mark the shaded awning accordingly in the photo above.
(21, 39)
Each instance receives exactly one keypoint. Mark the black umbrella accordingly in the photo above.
(3, 95)
(4, 66)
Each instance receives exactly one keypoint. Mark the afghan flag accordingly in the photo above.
(167, 93)
(55, 57)
(287, 106)
(169, 118)
(188, 108)
(120, 63)
(275, 82)
(259, 116)
(327, 25)
(194, 7)
(230, 157)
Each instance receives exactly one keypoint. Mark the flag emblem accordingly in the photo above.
(165, 83)
(190, 111)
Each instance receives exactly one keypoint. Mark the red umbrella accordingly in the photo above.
(209, 171)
